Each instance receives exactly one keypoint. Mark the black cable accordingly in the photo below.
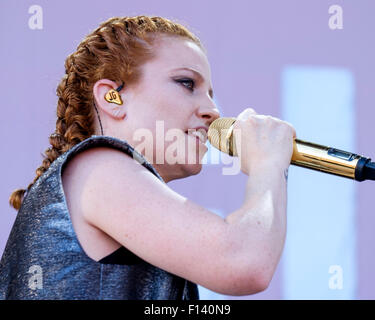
(120, 87)
(101, 128)
(369, 171)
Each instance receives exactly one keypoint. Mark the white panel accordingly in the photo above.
(319, 259)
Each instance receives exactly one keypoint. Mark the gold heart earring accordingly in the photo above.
(113, 96)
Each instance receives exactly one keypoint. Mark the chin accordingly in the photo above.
(187, 170)
(194, 169)
(189, 167)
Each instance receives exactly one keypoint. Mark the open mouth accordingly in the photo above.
(200, 134)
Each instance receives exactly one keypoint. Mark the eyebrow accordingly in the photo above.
(210, 91)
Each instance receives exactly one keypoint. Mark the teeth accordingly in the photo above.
(200, 135)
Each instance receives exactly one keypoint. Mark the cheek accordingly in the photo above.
(175, 112)
(172, 106)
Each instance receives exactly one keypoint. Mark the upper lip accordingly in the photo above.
(201, 129)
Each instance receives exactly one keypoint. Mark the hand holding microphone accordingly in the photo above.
(259, 139)
(262, 140)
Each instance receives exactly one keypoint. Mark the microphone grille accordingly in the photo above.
(220, 135)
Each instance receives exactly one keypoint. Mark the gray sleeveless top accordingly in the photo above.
(44, 260)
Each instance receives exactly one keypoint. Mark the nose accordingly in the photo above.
(208, 113)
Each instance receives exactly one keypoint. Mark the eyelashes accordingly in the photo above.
(189, 81)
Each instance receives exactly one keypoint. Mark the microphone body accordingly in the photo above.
(305, 154)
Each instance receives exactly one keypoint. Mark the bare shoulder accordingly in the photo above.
(100, 157)
(99, 162)
(95, 169)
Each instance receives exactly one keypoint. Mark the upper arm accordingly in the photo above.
(125, 200)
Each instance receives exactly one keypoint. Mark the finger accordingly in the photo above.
(246, 114)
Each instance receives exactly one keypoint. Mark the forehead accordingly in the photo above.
(173, 52)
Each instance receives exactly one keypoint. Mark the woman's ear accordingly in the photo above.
(108, 100)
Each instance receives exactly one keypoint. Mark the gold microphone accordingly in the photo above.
(305, 154)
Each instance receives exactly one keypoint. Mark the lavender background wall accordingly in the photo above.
(249, 42)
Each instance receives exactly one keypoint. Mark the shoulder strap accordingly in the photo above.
(123, 145)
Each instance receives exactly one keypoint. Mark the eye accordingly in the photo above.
(188, 81)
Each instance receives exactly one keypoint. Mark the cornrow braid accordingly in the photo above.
(116, 50)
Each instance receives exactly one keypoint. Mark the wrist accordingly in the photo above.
(269, 167)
